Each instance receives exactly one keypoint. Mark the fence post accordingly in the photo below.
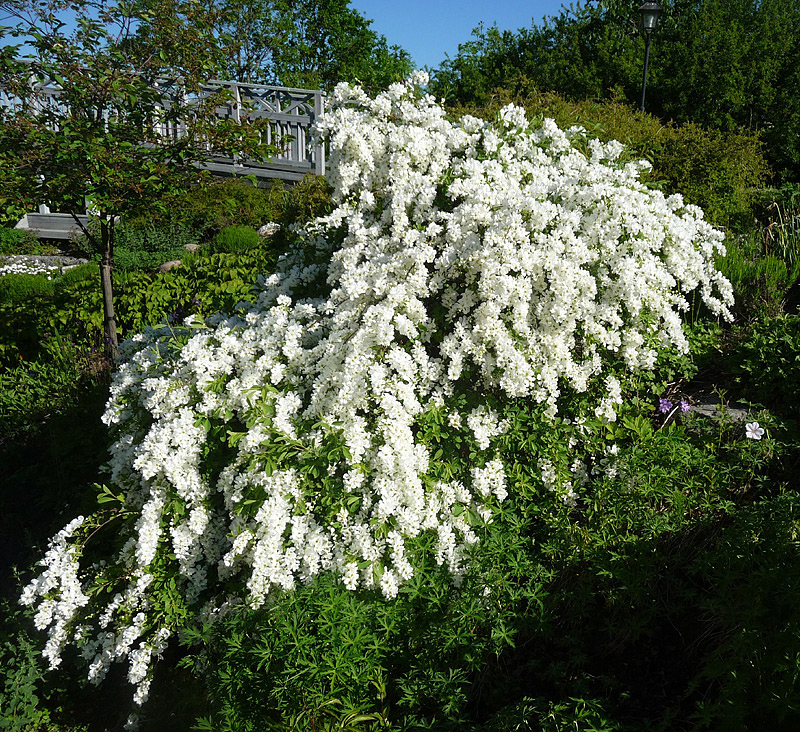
(319, 167)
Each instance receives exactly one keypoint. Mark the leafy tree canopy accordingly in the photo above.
(304, 43)
(131, 119)
(720, 63)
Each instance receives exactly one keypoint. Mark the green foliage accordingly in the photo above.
(143, 243)
(306, 44)
(23, 686)
(227, 202)
(766, 363)
(781, 222)
(235, 239)
(26, 301)
(31, 391)
(621, 614)
(20, 241)
(235, 202)
(147, 247)
(760, 281)
(18, 287)
(721, 64)
(310, 198)
(71, 304)
(720, 172)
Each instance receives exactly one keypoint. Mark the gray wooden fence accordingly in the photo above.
(291, 112)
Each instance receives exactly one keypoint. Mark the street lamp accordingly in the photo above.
(651, 12)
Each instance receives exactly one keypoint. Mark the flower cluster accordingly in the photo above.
(23, 266)
(260, 449)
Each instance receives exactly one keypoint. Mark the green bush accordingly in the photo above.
(27, 307)
(765, 362)
(718, 171)
(33, 390)
(144, 244)
(147, 247)
(760, 281)
(623, 613)
(73, 305)
(780, 220)
(232, 202)
(306, 200)
(235, 239)
(17, 287)
(22, 682)
(20, 241)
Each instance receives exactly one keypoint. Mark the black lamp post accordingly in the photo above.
(651, 12)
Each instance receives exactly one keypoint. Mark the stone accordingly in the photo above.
(269, 229)
(167, 266)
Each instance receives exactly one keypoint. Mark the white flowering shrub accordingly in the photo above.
(257, 450)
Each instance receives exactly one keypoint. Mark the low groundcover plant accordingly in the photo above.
(256, 450)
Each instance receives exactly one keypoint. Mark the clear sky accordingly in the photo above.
(429, 29)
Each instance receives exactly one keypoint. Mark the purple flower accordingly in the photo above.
(664, 405)
(685, 406)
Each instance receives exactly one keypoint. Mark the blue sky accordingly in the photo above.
(429, 29)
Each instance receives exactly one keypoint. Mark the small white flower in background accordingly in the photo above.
(753, 431)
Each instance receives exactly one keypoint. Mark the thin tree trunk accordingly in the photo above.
(106, 267)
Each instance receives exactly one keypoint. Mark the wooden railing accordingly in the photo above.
(291, 112)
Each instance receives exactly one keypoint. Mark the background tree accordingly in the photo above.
(304, 43)
(130, 76)
(720, 63)
(332, 42)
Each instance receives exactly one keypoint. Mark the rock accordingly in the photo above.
(707, 407)
(191, 247)
(269, 229)
(167, 266)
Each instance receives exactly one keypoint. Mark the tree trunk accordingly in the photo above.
(106, 267)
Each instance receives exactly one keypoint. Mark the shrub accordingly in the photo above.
(21, 683)
(15, 288)
(233, 202)
(718, 171)
(143, 244)
(31, 391)
(780, 216)
(760, 281)
(235, 239)
(72, 303)
(474, 285)
(20, 241)
(306, 200)
(765, 362)
(147, 247)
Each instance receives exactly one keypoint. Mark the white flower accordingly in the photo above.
(753, 431)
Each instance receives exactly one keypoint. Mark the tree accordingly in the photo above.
(720, 63)
(112, 138)
(305, 43)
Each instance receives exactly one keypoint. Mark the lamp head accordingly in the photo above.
(651, 12)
